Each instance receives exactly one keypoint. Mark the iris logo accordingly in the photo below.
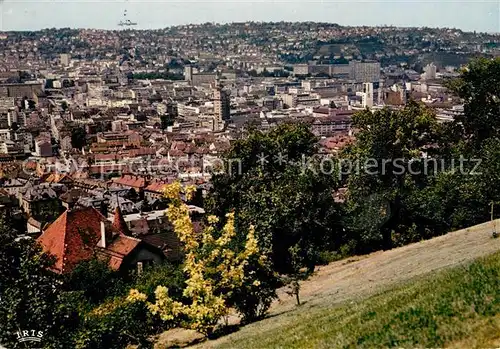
(29, 336)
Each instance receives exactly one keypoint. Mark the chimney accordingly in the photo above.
(102, 243)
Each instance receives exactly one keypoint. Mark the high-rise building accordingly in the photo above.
(365, 71)
(380, 93)
(367, 95)
(188, 73)
(65, 59)
(222, 104)
(430, 71)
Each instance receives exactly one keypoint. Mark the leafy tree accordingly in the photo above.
(479, 87)
(64, 106)
(30, 297)
(78, 137)
(165, 274)
(166, 121)
(385, 163)
(115, 324)
(95, 280)
(273, 183)
(446, 190)
(31, 104)
(214, 265)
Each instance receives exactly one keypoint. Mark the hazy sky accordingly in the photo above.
(30, 14)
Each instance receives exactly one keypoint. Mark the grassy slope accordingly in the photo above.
(454, 308)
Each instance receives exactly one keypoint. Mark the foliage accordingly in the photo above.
(166, 121)
(214, 266)
(64, 106)
(479, 87)
(30, 297)
(273, 182)
(115, 324)
(78, 137)
(95, 280)
(157, 75)
(385, 164)
(165, 274)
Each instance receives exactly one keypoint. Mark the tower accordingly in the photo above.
(430, 71)
(65, 59)
(188, 73)
(222, 104)
(380, 92)
(368, 95)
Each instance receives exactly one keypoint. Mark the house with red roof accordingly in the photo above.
(130, 181)
(84, 233)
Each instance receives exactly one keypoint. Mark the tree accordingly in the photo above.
(31, 104)
(14, 126)
(166, 121)
(215, 267)
(95, 280)
(479, 87)
(78, 137)
(64, 106)
(385, 163)
(272, 182)
(30, 297)
(115, 324)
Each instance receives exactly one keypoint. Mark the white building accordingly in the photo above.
(65, 59)
(430, 71)
(367, 95)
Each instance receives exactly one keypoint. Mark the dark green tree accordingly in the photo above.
(78, 137)
(384, 165)
(166, 121)
(479, 87)
(30, 297)
(95, 280)
(64, 106)
(272, 182)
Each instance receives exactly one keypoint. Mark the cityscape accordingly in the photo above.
(172, 187)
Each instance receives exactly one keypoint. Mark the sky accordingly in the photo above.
(468, 15)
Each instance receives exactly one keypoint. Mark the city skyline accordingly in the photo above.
(483, 16)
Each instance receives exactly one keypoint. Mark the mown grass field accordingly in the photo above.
(458, 307)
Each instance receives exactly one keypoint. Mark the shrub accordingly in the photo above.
(164, 274)
(117, 323)
(95, 280)
(216, 266)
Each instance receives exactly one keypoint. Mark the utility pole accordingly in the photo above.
(494, 234)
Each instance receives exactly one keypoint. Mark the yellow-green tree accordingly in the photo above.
(215, 265)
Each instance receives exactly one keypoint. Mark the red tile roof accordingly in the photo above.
(119, 223)
(121, 247)
(157, 187)
(131, 181)
(73, 237)
(57, 178)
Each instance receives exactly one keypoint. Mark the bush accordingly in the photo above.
(217, 267)
(253, 301)
(165, 274)
(95, 280)
(116, 324)
(327, 257)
